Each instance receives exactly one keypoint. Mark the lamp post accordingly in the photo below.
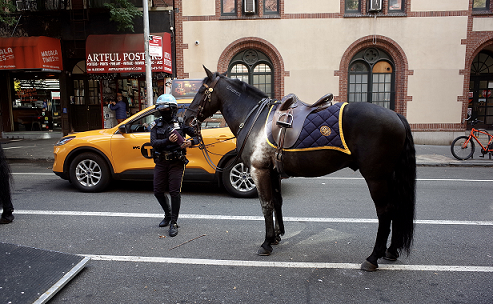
(149, 93)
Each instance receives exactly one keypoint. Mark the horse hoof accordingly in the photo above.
(263, 252)
(277, 241)
(389, 256)
(367, 266)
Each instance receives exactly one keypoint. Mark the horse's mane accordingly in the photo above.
(244, 86)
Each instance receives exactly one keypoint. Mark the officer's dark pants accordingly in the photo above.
(168, 177)
(5, 194)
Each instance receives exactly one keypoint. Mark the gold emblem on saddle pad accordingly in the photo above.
(325, 130)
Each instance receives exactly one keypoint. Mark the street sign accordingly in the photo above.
(156, 46)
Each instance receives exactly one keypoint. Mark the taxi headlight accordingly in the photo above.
(64, 140)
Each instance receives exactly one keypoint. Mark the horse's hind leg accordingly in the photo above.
(380, 193)
(392, 253)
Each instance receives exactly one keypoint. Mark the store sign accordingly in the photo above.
(30, 53)
(125, 54)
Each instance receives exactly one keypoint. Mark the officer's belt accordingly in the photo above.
(170, 155)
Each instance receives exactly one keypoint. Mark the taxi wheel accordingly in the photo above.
(237, 180)
(89, 172)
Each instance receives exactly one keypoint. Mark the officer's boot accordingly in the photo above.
(175, 210)
(163, 201)
(7, 216)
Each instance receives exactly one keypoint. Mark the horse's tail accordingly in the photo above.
(405, 186)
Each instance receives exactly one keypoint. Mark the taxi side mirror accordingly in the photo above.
(124, 129)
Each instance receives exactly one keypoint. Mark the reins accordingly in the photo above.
(259, 107)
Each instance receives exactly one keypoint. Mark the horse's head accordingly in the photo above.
(205, 103)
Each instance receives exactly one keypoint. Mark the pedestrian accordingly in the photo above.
(169, 152)
(5, 195)
(119, 107)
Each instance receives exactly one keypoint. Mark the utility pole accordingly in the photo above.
(149, 93)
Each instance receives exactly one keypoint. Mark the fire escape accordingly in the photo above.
(79, 17)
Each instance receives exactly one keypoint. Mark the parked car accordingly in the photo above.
(91, 160)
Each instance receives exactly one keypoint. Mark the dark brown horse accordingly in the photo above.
(380, 143)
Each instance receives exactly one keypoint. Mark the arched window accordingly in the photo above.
(254, 68)
(371, 78)
(480, 104)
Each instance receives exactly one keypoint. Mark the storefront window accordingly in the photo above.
(93, 91)
(36, 106)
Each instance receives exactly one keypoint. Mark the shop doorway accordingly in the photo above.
(480, 105)
(85, 105)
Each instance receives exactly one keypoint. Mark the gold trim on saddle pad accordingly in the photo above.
(324, 130)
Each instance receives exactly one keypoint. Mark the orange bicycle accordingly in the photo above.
(463, 146)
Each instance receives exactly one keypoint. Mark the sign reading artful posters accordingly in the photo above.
(125, 53)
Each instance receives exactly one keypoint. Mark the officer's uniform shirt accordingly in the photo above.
(161, 131)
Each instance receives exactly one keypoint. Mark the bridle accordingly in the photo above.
(207, 97)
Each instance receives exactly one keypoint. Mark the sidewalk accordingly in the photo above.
(38, 147)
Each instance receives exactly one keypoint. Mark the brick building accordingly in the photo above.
(70, 95)
(429, 60)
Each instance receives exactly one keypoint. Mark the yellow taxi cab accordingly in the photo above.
(91, 160)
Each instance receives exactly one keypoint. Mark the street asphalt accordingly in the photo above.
(38, 147)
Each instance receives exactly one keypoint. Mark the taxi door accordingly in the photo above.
(132, 150)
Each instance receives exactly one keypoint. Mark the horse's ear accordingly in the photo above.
(209, 73)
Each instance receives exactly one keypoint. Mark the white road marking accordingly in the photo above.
(240, 263)
(278, 264)
(418, 179)
(52, 174)
(337, 178)
(9, 148)
(245, 218)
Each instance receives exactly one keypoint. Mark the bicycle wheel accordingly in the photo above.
(461, 151)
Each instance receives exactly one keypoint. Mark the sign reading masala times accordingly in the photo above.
(125, 53)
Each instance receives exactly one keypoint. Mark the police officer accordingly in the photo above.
(169, 146)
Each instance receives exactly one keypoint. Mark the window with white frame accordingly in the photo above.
(228, 7)
(353, 6)
(396, 6)
(480, 4)
(249, 7)
(371, 78)
(369, 7)
(254, 68)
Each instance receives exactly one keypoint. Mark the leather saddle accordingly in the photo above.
(291, 114)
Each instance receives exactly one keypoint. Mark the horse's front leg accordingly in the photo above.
(277, 197)
(262, 180)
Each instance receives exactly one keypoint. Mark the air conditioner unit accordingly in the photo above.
(20, 5)
(249, 6)
(375, 6)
